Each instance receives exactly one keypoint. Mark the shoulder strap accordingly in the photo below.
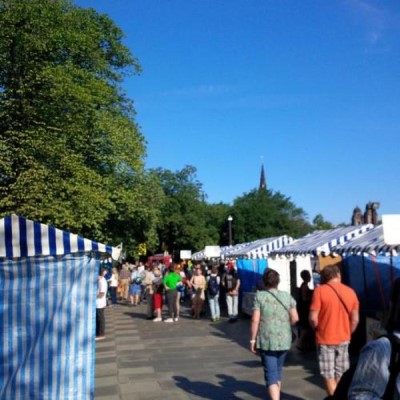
(341, 300)
(286, 308)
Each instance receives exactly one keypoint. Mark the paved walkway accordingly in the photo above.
(189, 359)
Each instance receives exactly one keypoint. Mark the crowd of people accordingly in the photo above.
(158, 284)
(326, 318)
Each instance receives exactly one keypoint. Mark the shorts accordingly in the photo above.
(272, 362)
(333, 359)
(157, 301)
(135, 290)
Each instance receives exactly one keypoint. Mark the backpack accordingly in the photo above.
(213, 286)
(230, 281)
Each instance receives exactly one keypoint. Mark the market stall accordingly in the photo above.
(48, 286)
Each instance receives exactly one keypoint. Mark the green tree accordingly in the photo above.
(72, 153)
(263, 213)
(320, 223)
(187, 221)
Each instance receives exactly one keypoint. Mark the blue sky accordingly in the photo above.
(312, 88)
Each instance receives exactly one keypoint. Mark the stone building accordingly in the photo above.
(370, 215)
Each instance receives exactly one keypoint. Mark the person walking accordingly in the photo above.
(101, 304)
(197, 284)
(213, 288)
(170, 282)
(124, 279)
(136, 286)
(113, 285)
(231, 283)
(180, 287)
(158, 290)
(148, 285)
(334, 314)
(274, 312)
(305, 341)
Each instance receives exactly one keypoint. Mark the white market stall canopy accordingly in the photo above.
(371, 242)
(257, 249)
(260, 248)
(323, 242)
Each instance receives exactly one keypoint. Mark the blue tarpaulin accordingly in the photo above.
(250, 272)
(372, 278)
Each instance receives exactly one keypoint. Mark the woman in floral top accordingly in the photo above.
(274, 312)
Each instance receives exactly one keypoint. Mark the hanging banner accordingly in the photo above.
(142, 249)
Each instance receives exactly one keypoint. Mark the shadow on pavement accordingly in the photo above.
(239, 332)
(228, 388)
(225, 389)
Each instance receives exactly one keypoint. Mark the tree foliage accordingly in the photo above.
(320, 223)
(263, 213)
(72, 154)
(187, 221)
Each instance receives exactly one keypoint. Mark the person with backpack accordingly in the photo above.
(213, 285)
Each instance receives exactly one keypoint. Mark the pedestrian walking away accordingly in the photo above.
(274, 313)
(334, 314)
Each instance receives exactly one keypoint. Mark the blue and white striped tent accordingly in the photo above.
(372, 242)
(260, 248)
(48, 285)
(323, 242)
(370, 267)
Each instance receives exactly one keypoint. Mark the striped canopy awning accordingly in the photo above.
(21, 237)
(261, 248)
(371, 242)
(48, 290)
(323, 242)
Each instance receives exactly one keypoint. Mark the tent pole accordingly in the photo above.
(365, 283)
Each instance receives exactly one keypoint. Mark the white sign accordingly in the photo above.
(391, 229)
(212, 251)
(186, 254)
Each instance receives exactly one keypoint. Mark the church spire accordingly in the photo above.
(263, 182)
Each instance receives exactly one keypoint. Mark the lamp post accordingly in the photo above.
(230, 219)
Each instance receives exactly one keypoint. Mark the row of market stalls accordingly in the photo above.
(368, 265)
(48, 288)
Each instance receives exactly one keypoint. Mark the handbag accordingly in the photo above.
(294, 336)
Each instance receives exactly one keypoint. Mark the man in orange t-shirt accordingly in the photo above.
(334, 314)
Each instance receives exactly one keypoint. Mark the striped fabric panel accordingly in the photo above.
(323, 242)
(47, 335)
(20, 237)
(372, 241)
(261, 247)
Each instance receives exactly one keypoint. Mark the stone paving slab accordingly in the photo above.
(189, 359)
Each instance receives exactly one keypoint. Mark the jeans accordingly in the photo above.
(100, 322)
(232, 302)
(213, 302)
(113, 293)
(272, 362)
(372, 373)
